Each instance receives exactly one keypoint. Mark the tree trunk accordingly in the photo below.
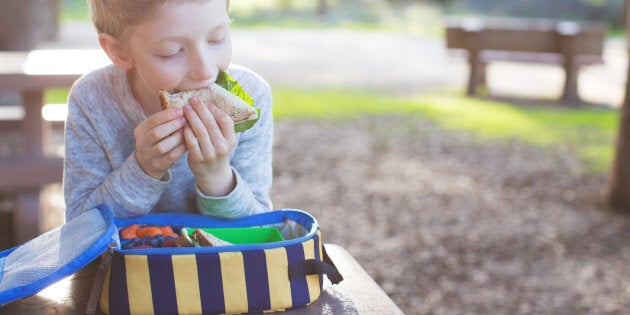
(619, 190)
(24, 23)
(285, 6)
(322, 7)
(619, 186)
(51, 19)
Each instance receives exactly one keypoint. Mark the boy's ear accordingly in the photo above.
(115, 51)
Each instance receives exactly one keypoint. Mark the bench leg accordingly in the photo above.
(570, 92)
(474, 77)
(481, 76)
(568, 44)
(26, 216)
(477, 74)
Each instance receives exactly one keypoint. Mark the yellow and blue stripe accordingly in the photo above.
(248, 281)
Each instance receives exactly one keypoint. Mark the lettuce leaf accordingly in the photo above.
(227, 82)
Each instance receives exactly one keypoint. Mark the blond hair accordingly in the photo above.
(114, 16)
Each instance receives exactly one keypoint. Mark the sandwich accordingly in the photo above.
(225, 93)
(184, 240)
(199, 238)
(204, 238)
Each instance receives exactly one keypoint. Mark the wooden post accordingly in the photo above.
(37, 132)
(474, 42)
(26, 215)
(19, 15)
(619, 186)
(34, 126)
(567, 34)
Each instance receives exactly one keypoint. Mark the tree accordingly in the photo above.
(322, 7)
(619, 186)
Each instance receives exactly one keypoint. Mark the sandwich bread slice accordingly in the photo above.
(184, 240)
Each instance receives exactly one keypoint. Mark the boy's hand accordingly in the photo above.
(160, 141)
(210, 138)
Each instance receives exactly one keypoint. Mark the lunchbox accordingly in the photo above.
(279, 267)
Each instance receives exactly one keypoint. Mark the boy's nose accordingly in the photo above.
(203, 68)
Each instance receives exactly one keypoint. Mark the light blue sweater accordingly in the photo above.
(100, 165)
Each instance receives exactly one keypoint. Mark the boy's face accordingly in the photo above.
(183, 47)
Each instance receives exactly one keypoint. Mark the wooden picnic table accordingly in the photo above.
(358, 293)
(25, 173)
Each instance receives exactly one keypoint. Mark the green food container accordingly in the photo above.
(249, 235)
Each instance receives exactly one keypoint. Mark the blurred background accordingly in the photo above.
(454, 204)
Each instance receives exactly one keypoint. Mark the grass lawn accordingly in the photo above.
(590, 133)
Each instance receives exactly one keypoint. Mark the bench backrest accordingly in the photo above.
(544, 36)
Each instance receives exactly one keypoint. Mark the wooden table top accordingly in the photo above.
(358, 293)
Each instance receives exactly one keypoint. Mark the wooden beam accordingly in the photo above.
(29, 172)
(35, 82)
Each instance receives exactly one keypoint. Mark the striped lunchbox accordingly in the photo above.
(241, 278)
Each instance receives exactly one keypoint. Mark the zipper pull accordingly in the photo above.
(95, 294)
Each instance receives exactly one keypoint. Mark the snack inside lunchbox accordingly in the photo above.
(249, 235)
(150, 236)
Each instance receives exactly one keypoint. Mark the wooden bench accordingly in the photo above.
(568, 44)
(25, 173)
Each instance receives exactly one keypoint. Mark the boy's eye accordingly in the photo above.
(216, 41)
(170, 55)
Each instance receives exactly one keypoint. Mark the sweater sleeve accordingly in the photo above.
(251, 161)
(90, 176)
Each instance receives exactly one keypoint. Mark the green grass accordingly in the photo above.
(422, 19)
(56, 96)
(590, 133)
(75, 10)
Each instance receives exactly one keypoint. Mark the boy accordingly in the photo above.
(123, 150)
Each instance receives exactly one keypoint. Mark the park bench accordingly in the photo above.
(26, 173)
(568, 44)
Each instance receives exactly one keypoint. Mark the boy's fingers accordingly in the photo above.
(170, 142)
(192, 143)
(205, 128)
(173, 118)
(224, 122)
(174, 154)
(209, 121)
(196, 124)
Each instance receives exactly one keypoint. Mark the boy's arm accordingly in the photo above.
(251, 164)
(90, 179)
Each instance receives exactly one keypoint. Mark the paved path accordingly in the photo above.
(392, 62)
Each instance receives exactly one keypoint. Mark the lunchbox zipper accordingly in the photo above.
(95, 294)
